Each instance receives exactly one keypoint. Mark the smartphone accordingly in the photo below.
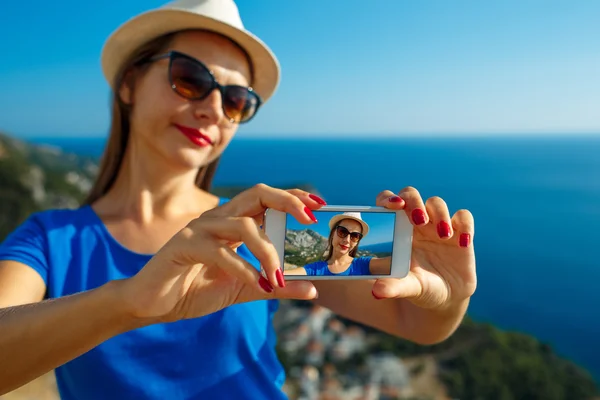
(346, 242)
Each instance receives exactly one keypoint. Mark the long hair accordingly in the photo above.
(118, 138)
(329, 250)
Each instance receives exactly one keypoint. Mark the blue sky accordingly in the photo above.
(383, 67)
(381, 226)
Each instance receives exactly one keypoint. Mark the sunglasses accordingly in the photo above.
(343, 232)
(192, 80)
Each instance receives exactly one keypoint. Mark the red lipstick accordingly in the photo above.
(195, 136)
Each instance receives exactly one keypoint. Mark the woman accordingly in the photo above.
(152, 288)
(346, 232)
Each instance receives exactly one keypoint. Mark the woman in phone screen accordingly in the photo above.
(340, 257)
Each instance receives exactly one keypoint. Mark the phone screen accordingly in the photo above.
(340, 244)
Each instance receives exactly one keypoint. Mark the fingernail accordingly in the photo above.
(374, 295)
(464, 240)
(310, 214)
(443, 229)
(395, 199)
(418, 216)
(264, 284)
(280, 279)
(317, 199)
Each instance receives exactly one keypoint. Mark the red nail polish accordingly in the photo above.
(264, 284)
(310, 214)
(280, 279)
(317, 199)
(418, 216)
(464, 240)
(443, 229)
(395, 199)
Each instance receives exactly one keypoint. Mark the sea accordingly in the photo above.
(535, 199)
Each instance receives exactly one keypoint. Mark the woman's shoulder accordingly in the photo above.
(315, 264)
(43, 234)
(315, 267)
(61, 218)
(46, 229)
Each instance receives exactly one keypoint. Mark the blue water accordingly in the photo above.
(536, 203)
(379, 247)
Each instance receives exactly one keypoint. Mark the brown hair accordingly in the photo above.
(329, 251)
(118, 138)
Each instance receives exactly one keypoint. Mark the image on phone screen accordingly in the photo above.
(340, 244)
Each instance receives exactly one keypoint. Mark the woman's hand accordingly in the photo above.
(442, 270)
(199, 271)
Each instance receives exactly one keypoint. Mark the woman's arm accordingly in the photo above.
(295, 271)
(36, 337)
(380, 266)
(196, 273)
(308, 269)
(399, 317)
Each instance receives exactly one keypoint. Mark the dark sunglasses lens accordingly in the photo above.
(239, 103)
(190, 79)
(342, 232)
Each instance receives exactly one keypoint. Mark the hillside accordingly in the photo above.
(303, 247)
(322, 352)
(39, 177)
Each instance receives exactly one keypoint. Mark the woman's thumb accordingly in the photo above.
(406, 288)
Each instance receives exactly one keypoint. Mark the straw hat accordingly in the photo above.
(356, 216)
(220, 16)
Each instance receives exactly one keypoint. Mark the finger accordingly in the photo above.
(439, 215)
(310, 199)
(245, 229)
(253, 202)
(197, 247)
(464, 225)
(297, 290)
(389, 199)
(415, 208)
(407, 287)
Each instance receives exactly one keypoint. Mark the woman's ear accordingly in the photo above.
(126, 89)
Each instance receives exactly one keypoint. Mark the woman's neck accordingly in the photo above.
(146, 189)
(340, 259)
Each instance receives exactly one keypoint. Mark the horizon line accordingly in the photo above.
(329, 135)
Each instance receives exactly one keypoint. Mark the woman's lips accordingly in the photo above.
(343, 247)
(195, 135)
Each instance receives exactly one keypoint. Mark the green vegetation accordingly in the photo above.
(482, 362)
(34, 178)
(16, 203)
(234, 190)
(294, 256)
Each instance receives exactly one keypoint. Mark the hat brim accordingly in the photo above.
(335, 219)
(152, 24)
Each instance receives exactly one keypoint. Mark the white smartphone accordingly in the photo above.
(347, 242)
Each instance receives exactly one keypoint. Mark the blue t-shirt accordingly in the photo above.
(229, 354)
(359, 266)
